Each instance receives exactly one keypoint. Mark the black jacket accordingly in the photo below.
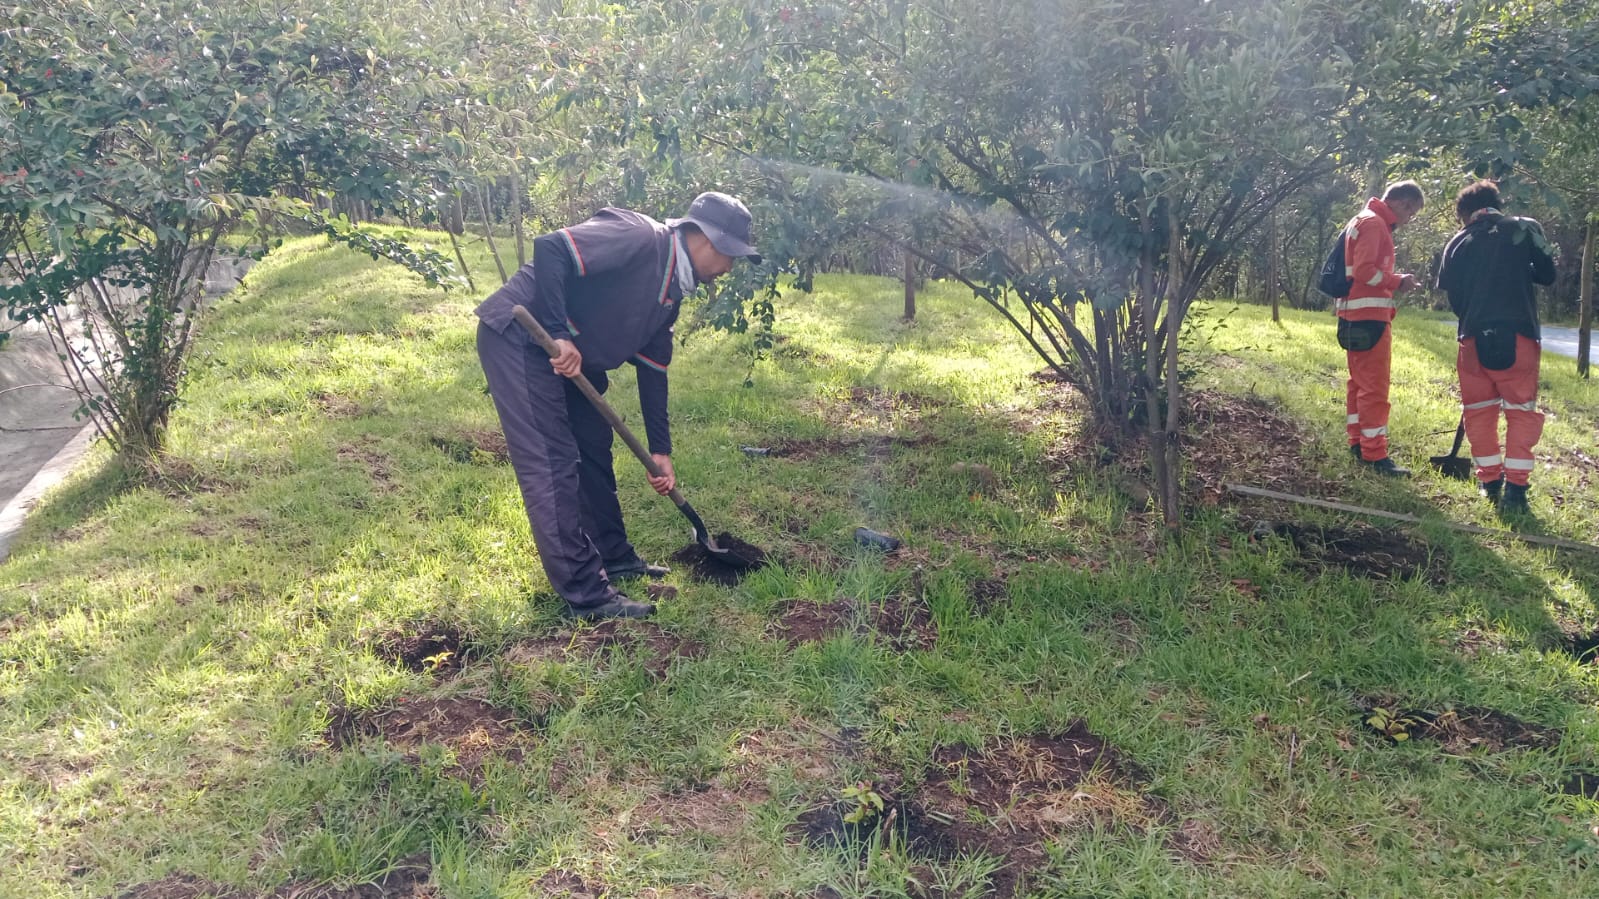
(1489, 269)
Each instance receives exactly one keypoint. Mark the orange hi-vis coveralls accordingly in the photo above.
(1369, 263)
(1489, 269)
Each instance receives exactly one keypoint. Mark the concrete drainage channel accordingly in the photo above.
(40, 440)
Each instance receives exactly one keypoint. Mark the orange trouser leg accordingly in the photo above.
(1484, 393)
(1480, 401)
(1366, 398)
(1518, 386)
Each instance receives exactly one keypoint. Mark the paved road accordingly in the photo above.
(1562, 341)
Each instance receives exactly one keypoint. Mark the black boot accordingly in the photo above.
(628, 569)
(1514, 501)
(620, 607)
(1386, 467)
(1490, 490)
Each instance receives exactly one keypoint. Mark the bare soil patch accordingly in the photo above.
(1361, 550)
(375, 461)
(1008, 800)
(906, 624)
(430, 646)
(1581, 783)
(473, 730)
(336, 405)
(882, 399)
(1456, 730)
(1582, 647)
(567, 885)
(179, 478)
(708, 566)
(473, 447)
(659, 648)
(408, 880)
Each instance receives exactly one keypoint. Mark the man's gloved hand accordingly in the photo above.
(668, 479)
(569, 362)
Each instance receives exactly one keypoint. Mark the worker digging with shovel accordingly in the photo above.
(606, 292)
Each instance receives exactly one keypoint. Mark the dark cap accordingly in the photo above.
(725, 221)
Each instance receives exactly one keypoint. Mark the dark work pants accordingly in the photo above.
(560, 449)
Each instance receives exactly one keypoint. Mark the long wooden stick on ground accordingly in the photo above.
(1411, 519)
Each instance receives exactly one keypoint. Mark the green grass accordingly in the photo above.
(171, 654)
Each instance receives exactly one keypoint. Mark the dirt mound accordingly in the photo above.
(431, 647)
(1360, 550)
(906, 624)
(726, 569)
(658, 647)
(473, 447)
(1456, 730)
(473, 730)
(1006, 801)
(408, 880)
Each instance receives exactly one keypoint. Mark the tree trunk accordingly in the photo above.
(1585, 300)
(1271, 268)
(519, 214)
(1176, 306)
(1146, 315)
(910, 286)
(488, 231)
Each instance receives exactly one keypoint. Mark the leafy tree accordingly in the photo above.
(135, 137)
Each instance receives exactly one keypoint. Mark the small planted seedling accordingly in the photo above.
(864, 802)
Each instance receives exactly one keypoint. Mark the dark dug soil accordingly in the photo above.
(1456, 730)
(432, 647)
(566, 885)
(1008, 801)
(660, 648)
(472, 729)
(1583, 647)
(1361, 550)
(473, 447)
(906, 624)
(726, 569)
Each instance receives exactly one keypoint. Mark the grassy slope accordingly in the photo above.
(170, 655)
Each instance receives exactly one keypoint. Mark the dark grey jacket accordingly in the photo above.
(610, 286)
(1489, 268)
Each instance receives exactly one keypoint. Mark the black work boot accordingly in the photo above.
(628, 569)
(1514, 501)
(620, 607)
(1490, 490)
(1386, 467)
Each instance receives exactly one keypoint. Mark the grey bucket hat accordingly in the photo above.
(725, 221)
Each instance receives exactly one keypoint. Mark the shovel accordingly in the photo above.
(701, 535)
(1454, 465)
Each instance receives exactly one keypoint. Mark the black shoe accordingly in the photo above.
(1354, 451)
(620, 607)
(1386, 467)
(628, 569)
(1514, 502)
(1490, 490)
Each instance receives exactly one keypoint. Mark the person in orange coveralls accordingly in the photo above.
(1365, 316)
(1489, 269)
